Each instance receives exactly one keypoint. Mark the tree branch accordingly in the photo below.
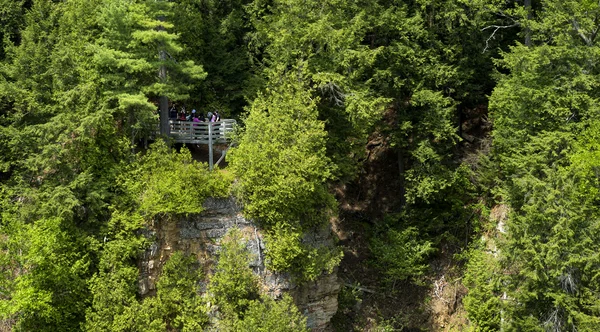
(362, 289)
(496, 28)
(595, 32)
(587, 40)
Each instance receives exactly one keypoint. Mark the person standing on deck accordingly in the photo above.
(173, 112)
(213, 118)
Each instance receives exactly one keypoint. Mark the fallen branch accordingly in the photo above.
(439, 289)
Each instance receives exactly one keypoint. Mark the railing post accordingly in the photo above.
(210, 147)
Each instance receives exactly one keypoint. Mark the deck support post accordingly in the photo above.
(210, 146)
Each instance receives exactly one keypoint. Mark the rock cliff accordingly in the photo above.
(200, 236)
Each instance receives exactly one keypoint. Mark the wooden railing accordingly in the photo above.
(201, 132)
(209, 133)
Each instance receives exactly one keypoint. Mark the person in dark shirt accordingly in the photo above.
(173, 112)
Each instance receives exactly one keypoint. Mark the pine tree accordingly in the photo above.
(75, 90)
(544, 109)
(282, 167)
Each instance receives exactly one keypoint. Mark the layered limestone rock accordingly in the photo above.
(200, 236)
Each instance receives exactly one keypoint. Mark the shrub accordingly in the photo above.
(168, 182)
(233, 285)
(268, 315)
(282, 166)
(482, 303)
(286, 252)
(400, 255)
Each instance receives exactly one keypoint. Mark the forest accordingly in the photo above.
(452, 148)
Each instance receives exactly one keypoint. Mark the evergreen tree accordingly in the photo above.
(236, 291)
(282, 168)
(71, 104)
(543, 106)
(213, 33)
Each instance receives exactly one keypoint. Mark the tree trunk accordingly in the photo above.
(164, 101)
(528, 30)
(164, 116)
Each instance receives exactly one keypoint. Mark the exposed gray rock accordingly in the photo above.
(200, 236)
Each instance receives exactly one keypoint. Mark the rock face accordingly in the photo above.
(200, 236)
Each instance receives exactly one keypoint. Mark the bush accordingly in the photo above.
(236, 292)
(233, 285)
(268, 315)
(286, 252)
(400, 255)
(482, 303)
(281, 160)
(178, 297)
(167, 182)
(282, 166)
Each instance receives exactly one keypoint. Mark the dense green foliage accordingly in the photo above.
(320, 89)
(235, 289)
(160, 183)
(282, 157)
(483, 302)
(401, 255)
(177, 304)
(233, 285)
(545, 108)
(283, 168)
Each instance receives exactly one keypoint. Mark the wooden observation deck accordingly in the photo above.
(203, 133)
